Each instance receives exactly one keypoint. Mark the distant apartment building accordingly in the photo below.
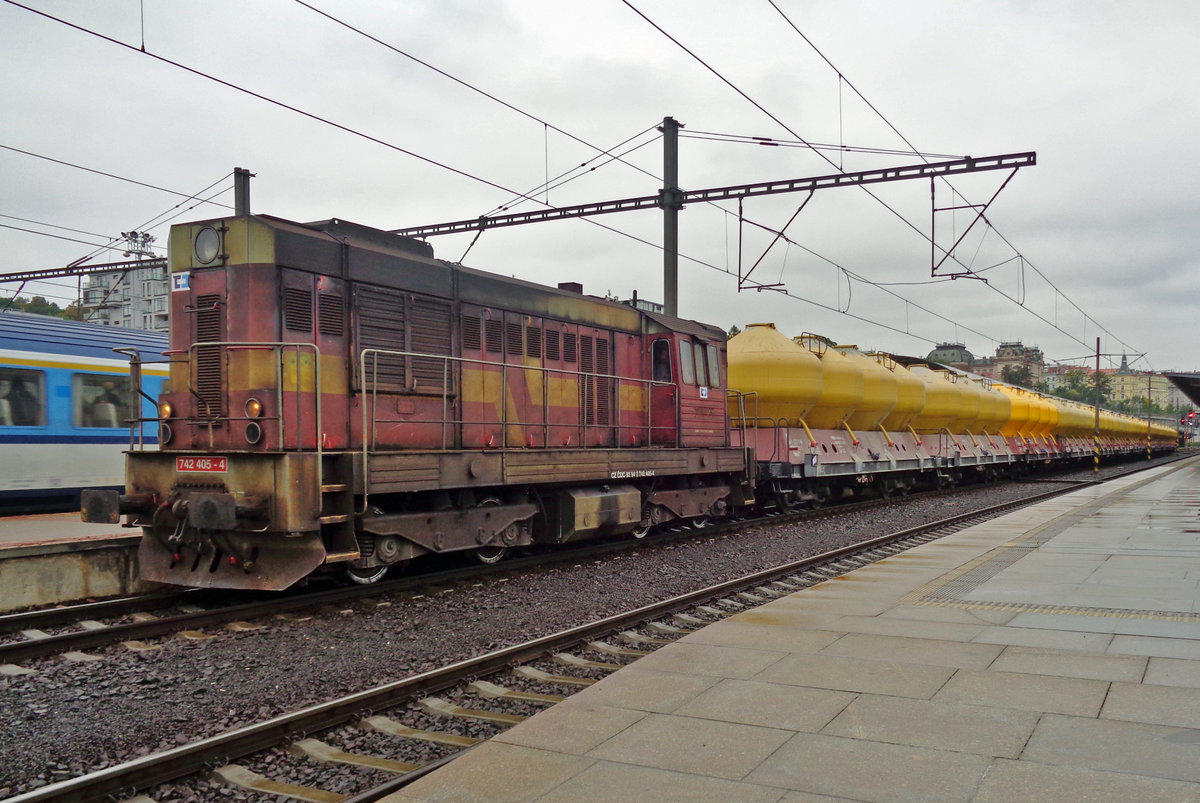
(135, 299)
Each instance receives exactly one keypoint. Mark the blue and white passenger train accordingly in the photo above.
(66, 406)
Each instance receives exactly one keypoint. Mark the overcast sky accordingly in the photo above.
(1099, 239)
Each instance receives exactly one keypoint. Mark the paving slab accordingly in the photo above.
(979, 729)
(698, 746)
(1160, 705)
(607, 780)
(1156, 750)
(1024, 781)
(1063, 663)
(865, 770)
(1063, 695)
(934, 652)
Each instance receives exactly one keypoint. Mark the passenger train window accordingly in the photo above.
(100, 400)
(687, 367)
(22, 398)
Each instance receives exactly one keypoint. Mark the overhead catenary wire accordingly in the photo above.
(1024, 260)
(363, 135)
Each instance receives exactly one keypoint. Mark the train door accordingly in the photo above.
(701, 395)
(663, 398)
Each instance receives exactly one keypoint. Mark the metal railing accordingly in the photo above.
(587, 386)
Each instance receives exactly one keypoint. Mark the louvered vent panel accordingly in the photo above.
(603, 383)
(472, 333)
(587, 388)
(494, 335)
(569, 354)
(512, 338)
(210, 363)
(533, 341)
(297, 309)
(429, 333)
(380, 324)
(552, 352)
(331, 314)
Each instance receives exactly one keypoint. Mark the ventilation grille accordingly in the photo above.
(472, 333)
(512, 339)
(297, 309)
(603, 383)
(494, 334)
(331, 315)
(429, 333)
(381, 326)
(569, 354)
(552, 352)
(210, 363)
(533, 341)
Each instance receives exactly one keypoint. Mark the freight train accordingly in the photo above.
(340, 399)
(66, 407)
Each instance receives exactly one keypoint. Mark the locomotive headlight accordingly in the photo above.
(165, 410)
(165, 433)
(254, 408)
(208, 245)
(253, 433)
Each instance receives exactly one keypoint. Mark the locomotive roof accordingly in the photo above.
(447, 279)
(22, 331)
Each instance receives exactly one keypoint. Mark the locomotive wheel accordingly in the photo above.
(489, 554)
(699, 523)
(374, 574)
(640, 531)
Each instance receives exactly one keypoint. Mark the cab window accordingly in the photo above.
(701, 374)
(661, 354)
(687, 368)
(100, 400)
(714, 366)
(22, 398)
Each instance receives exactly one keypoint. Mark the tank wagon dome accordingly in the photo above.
(786, 378)
(1018, 419)
(970, 399)
(1055, 414)
(1074, 420)
(881, 390)
(994, 407)
(910, 393)
(942, 400)
(842, 384)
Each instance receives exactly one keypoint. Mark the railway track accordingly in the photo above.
(583, 653)
(131, 621)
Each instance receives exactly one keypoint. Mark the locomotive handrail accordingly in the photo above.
(369, 365)
(137, 434)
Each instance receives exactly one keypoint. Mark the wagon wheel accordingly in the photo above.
(366, 576)
(490, 554)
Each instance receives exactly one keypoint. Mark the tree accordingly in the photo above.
(1017, 375)
(733, 330)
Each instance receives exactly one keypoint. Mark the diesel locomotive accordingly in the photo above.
(340, 399)
(338, 396)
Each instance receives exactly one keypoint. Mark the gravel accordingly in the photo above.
(74, 718)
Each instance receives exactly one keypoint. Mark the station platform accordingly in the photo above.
(51, 558)
(1050, 654)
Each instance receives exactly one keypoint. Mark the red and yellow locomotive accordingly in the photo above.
(337, 396)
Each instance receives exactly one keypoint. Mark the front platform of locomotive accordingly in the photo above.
(249, 487)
